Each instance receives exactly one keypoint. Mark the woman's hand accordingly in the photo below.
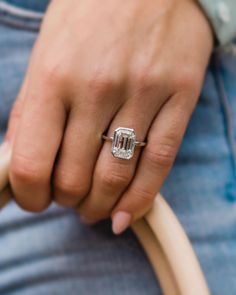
(97, 66)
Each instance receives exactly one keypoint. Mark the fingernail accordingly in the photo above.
(120, 222)
(87, 221)
(4, 147)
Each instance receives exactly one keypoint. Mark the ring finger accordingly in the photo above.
(113, 175)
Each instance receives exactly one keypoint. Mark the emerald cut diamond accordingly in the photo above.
(123, 143)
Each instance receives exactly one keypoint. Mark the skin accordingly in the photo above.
(94, 68)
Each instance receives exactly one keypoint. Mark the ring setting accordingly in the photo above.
(123, 143)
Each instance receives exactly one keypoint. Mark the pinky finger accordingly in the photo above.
(164, 138)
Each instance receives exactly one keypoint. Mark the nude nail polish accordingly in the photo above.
(120, 222)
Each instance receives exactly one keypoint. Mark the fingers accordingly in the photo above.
(113, 175)
(156, 160)
(80, 148)
(16, 112)
(72, 176)
(36, 144)
(82, 140)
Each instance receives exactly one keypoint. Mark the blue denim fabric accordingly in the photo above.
(34, 5)
(53, 253)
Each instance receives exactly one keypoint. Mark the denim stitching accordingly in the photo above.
(20, 12)
(228, 117)
(19, 18)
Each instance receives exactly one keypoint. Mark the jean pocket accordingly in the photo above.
(20, 18)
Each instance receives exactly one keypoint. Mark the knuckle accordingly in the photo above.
(66, 184)
(35, 207)
(55, 74)
(163, 155)
(94, 214)
(99, 85)
(187, 79)
(146, 80)
(25, 170)
(143, 195)
(114, 179)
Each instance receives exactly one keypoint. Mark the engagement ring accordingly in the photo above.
(123, 143)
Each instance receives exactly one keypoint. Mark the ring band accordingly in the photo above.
(123, 143)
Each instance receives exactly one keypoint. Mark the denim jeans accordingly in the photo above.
(53, 253)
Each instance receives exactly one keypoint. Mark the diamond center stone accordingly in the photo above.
(123, 143)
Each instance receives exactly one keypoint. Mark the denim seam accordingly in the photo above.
(28, 26)
(20, 12)
(226, 110)
(19, 18)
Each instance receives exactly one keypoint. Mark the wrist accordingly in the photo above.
(220, 15)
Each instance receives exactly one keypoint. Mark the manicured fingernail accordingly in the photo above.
(87, 221)
(120, 222)
(4, 147)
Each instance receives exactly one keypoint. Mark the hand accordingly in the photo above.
(94, 68)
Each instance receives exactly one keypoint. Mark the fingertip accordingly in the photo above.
(87, 221)
(32, 207)
(121, 220)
